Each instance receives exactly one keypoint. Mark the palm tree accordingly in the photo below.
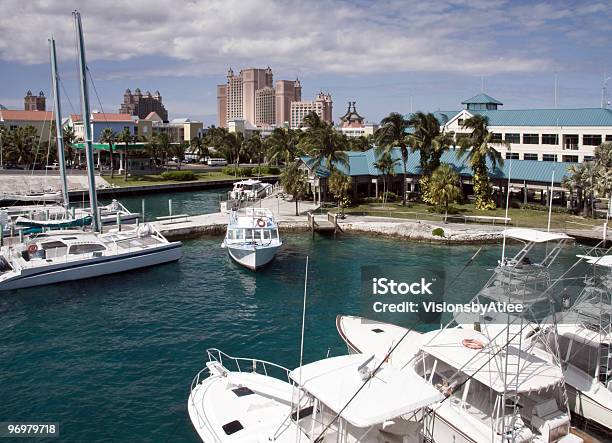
(21, 142)
(326, 146)
(476, 146)
(312, 120)
(164, 147)
(108, 136)
(392, 133)
(444, 186)
(386, 165)
(281, 145)
(198, 146)
(255, 147)
(178, 150)
(361, 143)
(126, 138)
(339, 185)
(294, 182)
(69, 141)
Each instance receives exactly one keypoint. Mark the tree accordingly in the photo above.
(21, 143)
(476, 146)
(199, 147)
(294, 182)
(281, 145)
(386, 165)
(361, 143)
(126, 138)
(69, 141)
(312, 120)
(444, 187)
(163, 146)
(108, 136)
(325, 145)
(255, 147)
(339, 185)
(178, 150)
(603, 161)
(430, 143)
(392, 133)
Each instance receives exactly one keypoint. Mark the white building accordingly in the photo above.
(568, 135)
(321, 105)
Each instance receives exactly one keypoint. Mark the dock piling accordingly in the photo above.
(143, 210)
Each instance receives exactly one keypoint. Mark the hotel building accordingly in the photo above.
(557, 135)
(251, 96)
(321, 105)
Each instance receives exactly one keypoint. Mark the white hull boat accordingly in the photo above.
(252, 238)
(74, 255)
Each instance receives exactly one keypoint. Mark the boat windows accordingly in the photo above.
(53, 245)
(242, 391)
(86, 248)
(232, 427)
(266, 234)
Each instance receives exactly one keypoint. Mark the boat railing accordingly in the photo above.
(253, 365)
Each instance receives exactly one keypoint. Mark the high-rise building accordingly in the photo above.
(33, 102)
(141, 105)
(321, 105)
(251, 96)
(265, 107)
(287, 91)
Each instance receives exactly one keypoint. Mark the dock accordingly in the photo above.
(323, 223)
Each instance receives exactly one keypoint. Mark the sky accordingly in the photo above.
(386, 55)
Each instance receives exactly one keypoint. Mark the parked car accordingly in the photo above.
(217, 162)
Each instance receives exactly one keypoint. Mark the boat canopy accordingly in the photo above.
(249, 182)
(534, 373)
(535, 236)
(387, 395)
(604, 260)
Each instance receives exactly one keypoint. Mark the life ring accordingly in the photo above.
(472, 343)
(261, 222)
(32, 248)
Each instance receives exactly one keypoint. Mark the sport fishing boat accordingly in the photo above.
(493, 394)
(250, 190)
(59, 256)
(71, 255)
(351, 398)
(252, 237)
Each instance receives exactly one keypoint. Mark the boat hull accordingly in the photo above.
(252, 258)
(581, 404)
(93, 267)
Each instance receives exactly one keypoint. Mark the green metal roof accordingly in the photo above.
(362, 163)
(548, 117)
(481, 99)
(104, 146)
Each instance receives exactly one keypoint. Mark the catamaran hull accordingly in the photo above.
(87, 269)
(252, 258)
(581, 404)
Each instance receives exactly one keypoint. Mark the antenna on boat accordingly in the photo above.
(86, 117)
(302, 345)
(58, 122)
(503, 257)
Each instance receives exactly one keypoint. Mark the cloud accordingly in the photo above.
(203, 37)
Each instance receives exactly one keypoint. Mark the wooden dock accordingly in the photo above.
(323, 223)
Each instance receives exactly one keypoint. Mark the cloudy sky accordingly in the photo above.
(386, 55)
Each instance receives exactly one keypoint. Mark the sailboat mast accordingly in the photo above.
(58, 122)
(93, 200)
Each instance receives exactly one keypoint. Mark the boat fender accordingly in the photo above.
(261, 222)
(472, 343)
(32, 248)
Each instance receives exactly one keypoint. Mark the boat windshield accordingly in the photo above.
(253, 235)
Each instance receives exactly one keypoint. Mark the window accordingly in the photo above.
(460, 121)
(549, 157)
(266, 234)
(550, 139)
(589, 158)
(496, 137)
(570, 141)
(591, 140)
(512, 155)
(530, 156)
(86, 248)
(570, 158)
(609, 138)
(513, 138)
(531, 139)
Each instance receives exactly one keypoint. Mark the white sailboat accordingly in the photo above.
(252, 237)
(71, 255)
(339, 399)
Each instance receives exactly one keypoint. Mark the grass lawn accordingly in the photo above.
(519, 217)
(156, 179)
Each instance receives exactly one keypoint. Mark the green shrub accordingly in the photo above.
(390, 196)
(439, 232)
(237, 171)
(273, 170)
(555, 209)
(181, 176)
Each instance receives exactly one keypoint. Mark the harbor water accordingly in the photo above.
(112, 358)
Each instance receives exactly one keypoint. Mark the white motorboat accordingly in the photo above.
(252, 237)
(250, 189)
(60, 256)
(338, 399)
(493, 394)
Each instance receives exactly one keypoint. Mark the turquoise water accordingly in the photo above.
(112, 359)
